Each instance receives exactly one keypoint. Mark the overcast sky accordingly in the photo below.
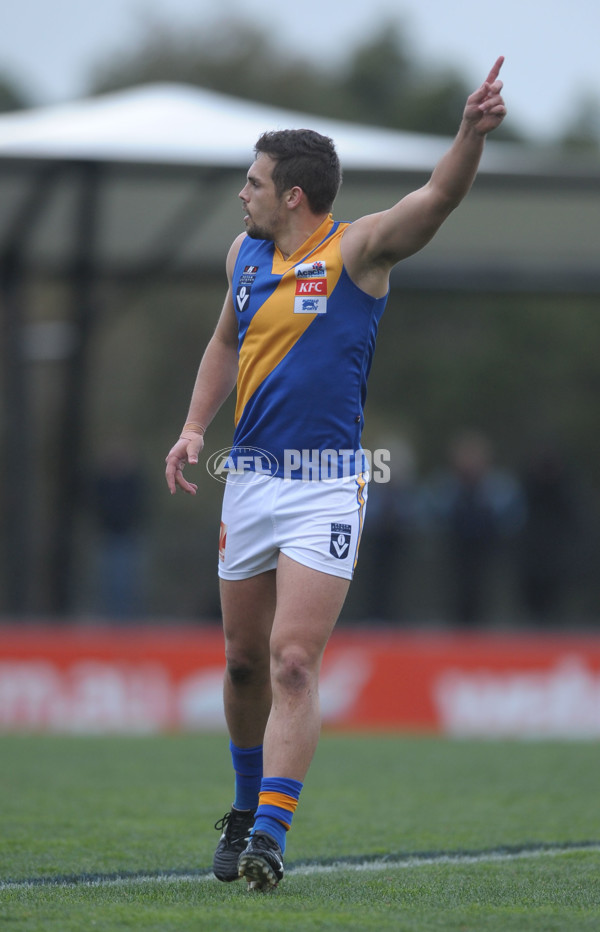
(551, 49)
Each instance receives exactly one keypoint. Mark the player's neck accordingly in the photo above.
(293, 238)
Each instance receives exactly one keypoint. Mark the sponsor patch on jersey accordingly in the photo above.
(339, 546)
(316, 269)
(242, 294)
(311, 288)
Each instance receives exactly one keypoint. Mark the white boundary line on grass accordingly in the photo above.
(485, 857)
(307, 870)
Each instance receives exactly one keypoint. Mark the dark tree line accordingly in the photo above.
(12, 97)
(381, 81)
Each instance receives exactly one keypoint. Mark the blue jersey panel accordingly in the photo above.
(310, 398)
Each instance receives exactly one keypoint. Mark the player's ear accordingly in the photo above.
(294, 197)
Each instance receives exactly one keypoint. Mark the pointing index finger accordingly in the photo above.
(495, 70)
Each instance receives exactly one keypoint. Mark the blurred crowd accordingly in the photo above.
(118, 502)
(475, 543)
(470, 545)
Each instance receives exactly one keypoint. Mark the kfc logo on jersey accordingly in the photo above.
(311, 288)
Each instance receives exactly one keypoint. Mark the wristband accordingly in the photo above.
(194, 426)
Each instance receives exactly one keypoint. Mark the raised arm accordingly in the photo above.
(375, 243)
(215, 380)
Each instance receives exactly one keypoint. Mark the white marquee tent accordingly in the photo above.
(164, 163)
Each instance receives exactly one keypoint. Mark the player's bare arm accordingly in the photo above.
(215, 380)
(375, 243)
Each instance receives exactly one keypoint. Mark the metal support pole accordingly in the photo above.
(16, 419)
(69, 472)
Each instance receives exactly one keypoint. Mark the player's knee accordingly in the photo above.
(240, 673)
(245, 668)
(292, 669)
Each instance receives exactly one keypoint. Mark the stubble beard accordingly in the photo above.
(257, 232)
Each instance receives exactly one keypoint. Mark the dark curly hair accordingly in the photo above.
(305, 159)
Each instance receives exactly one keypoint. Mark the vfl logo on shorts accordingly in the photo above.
(339, 546)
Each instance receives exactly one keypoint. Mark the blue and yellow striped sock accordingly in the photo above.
(277, 803)
(248, 766)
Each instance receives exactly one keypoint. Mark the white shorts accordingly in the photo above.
(317, 524)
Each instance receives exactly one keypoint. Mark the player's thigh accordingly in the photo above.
(308, 605)
(248, 609)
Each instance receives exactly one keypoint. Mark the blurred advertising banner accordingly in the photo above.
(150, 679)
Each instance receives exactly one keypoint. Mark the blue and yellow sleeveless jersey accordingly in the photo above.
(306, 340)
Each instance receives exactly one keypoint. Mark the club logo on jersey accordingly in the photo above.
(339, 546)
(311, 288)
(242, 294)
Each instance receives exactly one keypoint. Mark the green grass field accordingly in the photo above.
(392, 833)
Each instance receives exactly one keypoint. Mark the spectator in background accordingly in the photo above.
(119, 506)
(551, 540)
(476, 506)
(394, 507)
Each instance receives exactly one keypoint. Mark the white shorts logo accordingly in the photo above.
(339, 546)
